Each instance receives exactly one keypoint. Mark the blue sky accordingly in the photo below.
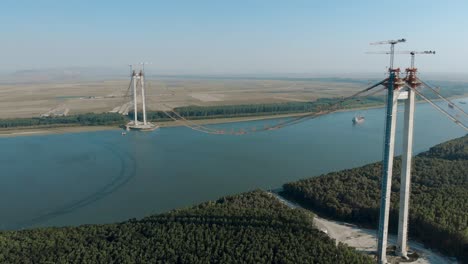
(231, 37)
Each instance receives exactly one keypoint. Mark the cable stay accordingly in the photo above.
(127, 93)
(122, 106)
(454, 119)
(293, 121)
(443, 98)
(334, 108)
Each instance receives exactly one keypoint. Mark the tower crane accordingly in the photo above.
(413, 53)
(411, 78)
(392, 47)
(388, 42)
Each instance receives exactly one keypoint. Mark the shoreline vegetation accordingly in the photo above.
(201, 115)
(197, 114)
(251, 227)
(438, 213)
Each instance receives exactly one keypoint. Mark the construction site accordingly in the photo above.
(166, 94)
(396, 89)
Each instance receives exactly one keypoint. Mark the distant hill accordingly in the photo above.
(439, 196)
(248, 228)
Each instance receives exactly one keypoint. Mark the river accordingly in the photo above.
(104, 177)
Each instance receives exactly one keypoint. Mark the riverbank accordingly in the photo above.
(277, 116)
(52, 130)
(87, 176)
(229, 120)
(29, 131)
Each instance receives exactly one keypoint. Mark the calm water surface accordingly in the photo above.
(102, 177)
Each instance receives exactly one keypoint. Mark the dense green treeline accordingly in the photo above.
(248, 228)
(439, 196)
(190, 112)
(272, 108)
(218, 111)
(226, 111)
(90, 119)
(244, 110)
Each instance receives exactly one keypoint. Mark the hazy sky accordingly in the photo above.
(238, 36)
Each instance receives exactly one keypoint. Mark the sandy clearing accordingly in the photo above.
(365, 240)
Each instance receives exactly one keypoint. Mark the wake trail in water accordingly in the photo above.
(126, 173)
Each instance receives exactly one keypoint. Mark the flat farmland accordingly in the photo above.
(33, 99)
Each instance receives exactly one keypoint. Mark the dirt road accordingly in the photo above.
(365, 240)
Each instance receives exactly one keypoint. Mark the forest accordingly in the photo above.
(189, 112)
(89, 119)
(253, 227)
(438, 204)
(195, 112)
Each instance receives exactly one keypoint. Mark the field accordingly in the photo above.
(33, 99)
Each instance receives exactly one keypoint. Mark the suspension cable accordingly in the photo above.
(317, 114)
(189, 126)
(289, 122)
(125, 96)
(441, 110)
(443, 98)
(191, 122)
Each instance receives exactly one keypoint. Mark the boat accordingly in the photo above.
(358, 119)
(124, 133)
(462, 102)
(450, 105)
